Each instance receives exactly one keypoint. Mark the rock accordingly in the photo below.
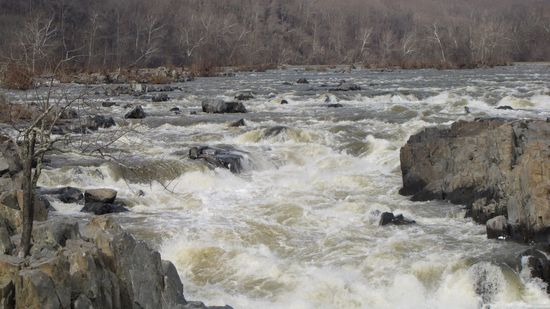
(173, 288)
(100, 208)
(493, 166)
(284, 101)
(7, 294)
(536, 262)
(218, 157)
(51, 235)
(497, 227)
(505, 107)
(64, 194)
(175, 110)
(335, 105)
(193, 113)
(219, 106)
(244, 96)
(238, 123)
(85, 124)
(6, 246)
(35, 289)
(287, 83)
(389, 218)
(10, 164)
(162, 97)
(12, 218)
(136, 113)
(276, 130)
(82, 302)
(345, 86)
(108, 104)
(99, 195)
(302, 81)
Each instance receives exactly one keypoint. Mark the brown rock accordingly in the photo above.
(495, 166)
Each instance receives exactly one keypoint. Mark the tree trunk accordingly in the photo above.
(28, 196)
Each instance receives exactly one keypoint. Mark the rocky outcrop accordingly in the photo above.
(218, 157)
(493, 166)
(389, 218)
(136, 113)
(98, 266)
(220, 107)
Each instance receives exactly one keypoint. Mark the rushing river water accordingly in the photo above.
(298, 228)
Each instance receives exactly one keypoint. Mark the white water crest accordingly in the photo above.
(298, 228)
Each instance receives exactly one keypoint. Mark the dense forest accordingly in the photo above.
(105, 34)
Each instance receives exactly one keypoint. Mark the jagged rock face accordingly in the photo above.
(494, 166)
(105, 267)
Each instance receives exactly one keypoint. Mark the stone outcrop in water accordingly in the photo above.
(98, 266)
(389, 218)
(220, 107)
(218, 157)
(136, 113)
(494, 166)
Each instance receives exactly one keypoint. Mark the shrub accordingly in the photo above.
(204, 69)
(12, 112)
(17, 77)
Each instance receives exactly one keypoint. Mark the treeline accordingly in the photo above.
(106, 34)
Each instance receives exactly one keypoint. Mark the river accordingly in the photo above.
(298, 228)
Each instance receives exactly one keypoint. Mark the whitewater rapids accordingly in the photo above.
(299, 227)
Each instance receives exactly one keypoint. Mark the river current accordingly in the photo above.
(298, 228)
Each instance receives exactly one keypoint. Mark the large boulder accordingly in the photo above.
(136, 113)
(493, 166)
(536, 262)
(100, 208)
(100, 195)
(497, 227)
(220, 107)
(389, 218)
(64, 194)
(219, 157)
(10, 164)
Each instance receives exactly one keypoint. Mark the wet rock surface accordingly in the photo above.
(218, 157)
(220, 107)
(494, 166)
(136, 113)
(389, 218)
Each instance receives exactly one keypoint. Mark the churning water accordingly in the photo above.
(298, 228)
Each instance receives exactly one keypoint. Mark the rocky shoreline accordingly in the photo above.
(499, 168)
(88, 262)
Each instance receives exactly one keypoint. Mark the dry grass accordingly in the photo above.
(17, 77)
(204, 69)
(14, 113)
(159, 79)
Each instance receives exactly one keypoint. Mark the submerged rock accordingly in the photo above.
(389, 218)
(302, 81)
(218, 157)
(494, 166)
(536, 262)
(284, 101)
(101, 208)
(162, 97)
(505, 107)
(65, 194)
(335, 105)
(136, 113)
(238, 123)
(244, 96)
(220, 107)
(345, 86)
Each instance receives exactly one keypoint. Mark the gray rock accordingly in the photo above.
(65, 194)
(497, 227)
(100, 208)
(82, 302)
(6, 246)
(100, 195)
(493, 166)
(536, 261)
(161, 97)
(218, 157)
(173, 288)
(7, 294)
(345, 86)
(136, 113)
(389, 218)
(238, 123)
(302, 81)
(10, 163)
(244, 96)
(220, 107)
